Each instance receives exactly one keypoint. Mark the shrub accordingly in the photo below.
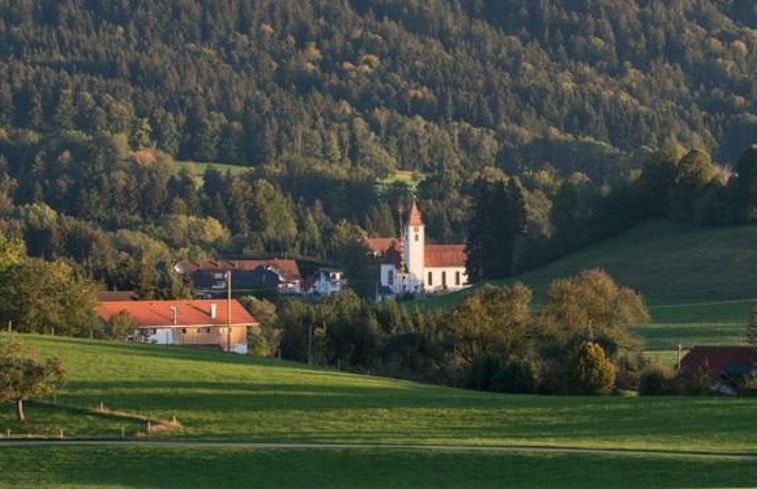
(591, 371)
(482, 372)
(657, 381)
(517, 378)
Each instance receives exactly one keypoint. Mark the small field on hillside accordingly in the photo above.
(219, 396)
(202, 467)
(200, 167)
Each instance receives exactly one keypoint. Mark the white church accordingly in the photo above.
(409, 265)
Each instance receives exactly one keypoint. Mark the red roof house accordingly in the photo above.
(200, 323)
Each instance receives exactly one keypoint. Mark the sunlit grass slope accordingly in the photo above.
(219, 396)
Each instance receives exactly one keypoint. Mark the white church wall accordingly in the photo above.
(445, 278)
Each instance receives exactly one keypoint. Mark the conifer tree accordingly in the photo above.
(751, 327)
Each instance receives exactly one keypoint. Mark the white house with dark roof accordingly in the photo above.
(409, 265)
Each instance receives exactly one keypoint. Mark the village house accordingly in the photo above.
(247, 276)
(409, 265)
(215, 324)
(325, 282)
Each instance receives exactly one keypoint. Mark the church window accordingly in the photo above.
(430, 278)
(416, 238)
(390, 277)
(457, 278)
(416, 229)
(444, 279)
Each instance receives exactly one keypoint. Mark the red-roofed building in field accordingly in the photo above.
(409, 265)
(216, 324)
(720, 360)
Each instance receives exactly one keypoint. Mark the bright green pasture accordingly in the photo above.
(164, 468)
(219, 396)
(668, 262)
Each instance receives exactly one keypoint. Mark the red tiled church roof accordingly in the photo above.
(151, 314)
(719, 359)
(287, 268)
(452, 255)
(382, 245)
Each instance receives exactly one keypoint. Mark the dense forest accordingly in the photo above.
(588, 106)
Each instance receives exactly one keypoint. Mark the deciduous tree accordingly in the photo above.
(23, 376)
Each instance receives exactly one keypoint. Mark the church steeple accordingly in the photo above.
(415, 245)
(414, 218)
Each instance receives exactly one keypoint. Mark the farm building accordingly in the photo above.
(196, 323)
(727, 366)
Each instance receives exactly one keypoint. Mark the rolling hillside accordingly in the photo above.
(671, 264)
(699, 283)
(220, 397)
(233, 399)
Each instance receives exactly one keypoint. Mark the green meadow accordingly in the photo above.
(199, 468)
(221, 397)
(698, 273)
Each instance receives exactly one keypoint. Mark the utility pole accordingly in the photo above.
(310, 342)
(678, 362)
(228, 310)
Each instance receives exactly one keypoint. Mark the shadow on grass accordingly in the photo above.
(154, 468)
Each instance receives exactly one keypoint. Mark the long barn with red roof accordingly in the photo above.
(215, 324)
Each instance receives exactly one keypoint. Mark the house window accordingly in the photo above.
(183, 330)
(430, 278)
(203, 330)
(457, 278)
(390, 277)
(444, 279)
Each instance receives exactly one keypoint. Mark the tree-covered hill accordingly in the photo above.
(411, 84)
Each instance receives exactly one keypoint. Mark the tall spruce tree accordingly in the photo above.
(497, 219)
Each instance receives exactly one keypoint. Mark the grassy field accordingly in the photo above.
(76, 467)
(200, 167)
(217, 396)
(669, 263)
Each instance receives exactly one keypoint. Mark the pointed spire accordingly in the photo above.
(414, 218)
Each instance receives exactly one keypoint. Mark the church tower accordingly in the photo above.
(415, 245)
